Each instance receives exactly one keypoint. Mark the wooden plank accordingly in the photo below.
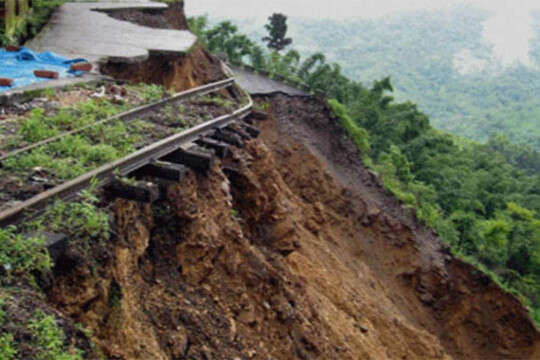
(162, 170)
(238, 131)
(251, 130)
(196, 160)
(228, 137)
(139, 191)
(220, 147)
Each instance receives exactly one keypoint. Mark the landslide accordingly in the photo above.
(402, 269)
(289, 249)
(175, 72)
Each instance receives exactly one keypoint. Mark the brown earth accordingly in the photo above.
(176, 72)
(171, 18)
(300, 256)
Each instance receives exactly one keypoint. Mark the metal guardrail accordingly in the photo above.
(106, 173)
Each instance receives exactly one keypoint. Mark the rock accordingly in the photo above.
(427, 299)
(178, 343)
(117, 99)
(98, 94)
(371, 217)
(51, 105)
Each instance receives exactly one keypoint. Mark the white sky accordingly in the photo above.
(509, 30)
(337, 9)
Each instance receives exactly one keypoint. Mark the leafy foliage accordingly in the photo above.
(277, 32)
(34, 22)
(20, 256)
(49, 339)
(483, 198)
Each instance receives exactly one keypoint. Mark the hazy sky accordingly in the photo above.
(509, 30)
(335, 8)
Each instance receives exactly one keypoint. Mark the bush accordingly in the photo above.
(358, 135)
(21, 256)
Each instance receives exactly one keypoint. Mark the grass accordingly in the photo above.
(7, 347)
(358, 135)
(20, 256)
(77, 154)
(148, 92)
(84, 221)
(38, 334)
(38, 126)
(49, 339)
(218, 100)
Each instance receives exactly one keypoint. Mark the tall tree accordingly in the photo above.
(277, 32)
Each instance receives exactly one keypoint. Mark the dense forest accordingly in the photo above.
(434, 59)
(482, 198)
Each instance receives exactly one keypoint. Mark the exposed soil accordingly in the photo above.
(424, 287)
(176, 72)
(301, 255)
(171, 18)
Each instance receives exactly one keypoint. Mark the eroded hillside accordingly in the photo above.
(299, 254)
(288, 248)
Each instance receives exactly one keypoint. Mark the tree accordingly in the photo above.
(225, 38)
(197, 25)
(277, 30)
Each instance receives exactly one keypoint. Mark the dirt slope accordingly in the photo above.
(300, 256)
(176, 72)
(468, 314)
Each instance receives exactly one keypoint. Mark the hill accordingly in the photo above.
(437, 59)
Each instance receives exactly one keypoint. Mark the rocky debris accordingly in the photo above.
(390, 251)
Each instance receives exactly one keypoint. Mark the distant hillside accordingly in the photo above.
(438, 60)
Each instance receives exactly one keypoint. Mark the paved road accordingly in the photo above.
(257, 84)
(76, 30)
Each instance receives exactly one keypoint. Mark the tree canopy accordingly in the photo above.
(482, 198)
(277, 32)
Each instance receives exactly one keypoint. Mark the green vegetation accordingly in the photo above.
(483, 198)
(277, 32)
(27, 332)
(148, 92)
(437, 59)
(41, 124)
(31, 333)
(218, 100)
(49, 339)
(86, 223)
(26, 27)
(21, 256)
(38, 126)
(77, 154)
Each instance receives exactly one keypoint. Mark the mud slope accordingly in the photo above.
(176, 72)
(402, 269)
(300, 255)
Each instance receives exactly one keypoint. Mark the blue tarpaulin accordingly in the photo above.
(20, 66)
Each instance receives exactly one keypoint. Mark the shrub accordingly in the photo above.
(21, 256)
